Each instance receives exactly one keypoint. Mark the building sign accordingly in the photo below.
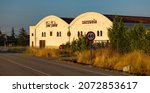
(51, 24)
(89, 21)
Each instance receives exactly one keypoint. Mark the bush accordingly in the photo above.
(125, 39)
(79, 44)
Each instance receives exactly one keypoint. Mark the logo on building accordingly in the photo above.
(89, 21)
(51, 24)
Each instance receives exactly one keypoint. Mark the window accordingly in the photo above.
(78, 33)
(58, 34)
(97, 33)
(51, 33)
(43, 34)
(81, 33)
(32, 43)
(32, 34)
(101, 33)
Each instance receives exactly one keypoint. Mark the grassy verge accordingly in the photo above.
(55, 53)
(135, 62)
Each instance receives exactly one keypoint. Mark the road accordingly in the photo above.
(15, 64)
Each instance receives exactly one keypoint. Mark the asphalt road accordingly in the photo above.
(13, 64)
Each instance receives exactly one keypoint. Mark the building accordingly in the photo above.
(90, 21)
(52, 31)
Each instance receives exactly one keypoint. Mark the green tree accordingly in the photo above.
(13, 39)
(138, 37)
(146, 46)
(118, 35)
(79, 44)
(23, 38)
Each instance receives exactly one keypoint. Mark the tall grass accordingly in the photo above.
(137, 62)
(134, 62)
(106, 58)
(43, 52)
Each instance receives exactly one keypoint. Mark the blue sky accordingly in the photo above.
(23, 13)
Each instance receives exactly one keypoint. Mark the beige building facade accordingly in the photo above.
(52, 31)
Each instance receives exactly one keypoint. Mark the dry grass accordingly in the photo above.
(137, 61)
(43, 52)
(84, 57)
(106, 58)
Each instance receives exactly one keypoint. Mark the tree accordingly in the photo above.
(137, 37)
(118, 36)
(23, 38)
(13, 39)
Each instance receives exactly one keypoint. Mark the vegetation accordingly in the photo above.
(23, 38)
(79, 44)
(125, 39)
(137, 61)
(14, 40)
(118, 35)
(43, 52)
(128, 51)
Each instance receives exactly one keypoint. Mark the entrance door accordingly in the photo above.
(42, 43)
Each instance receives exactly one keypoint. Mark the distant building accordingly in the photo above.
(53, 31)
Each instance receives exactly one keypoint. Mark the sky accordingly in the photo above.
(24, 13)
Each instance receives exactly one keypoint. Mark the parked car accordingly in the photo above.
(62, 46)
